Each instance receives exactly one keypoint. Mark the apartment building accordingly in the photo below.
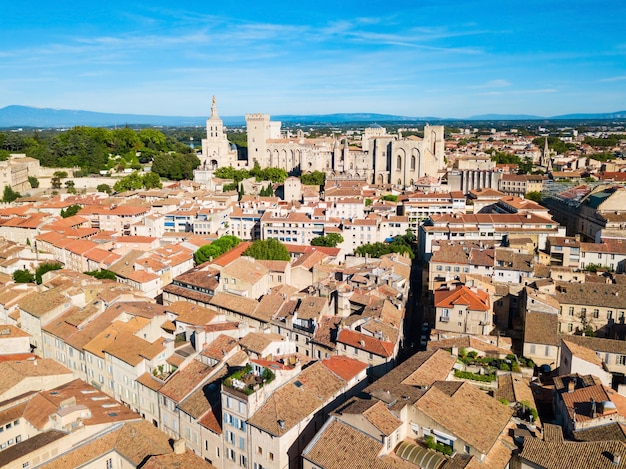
(485, 227)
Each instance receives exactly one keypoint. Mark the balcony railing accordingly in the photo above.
(444, 319)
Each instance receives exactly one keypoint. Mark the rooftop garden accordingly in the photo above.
(491, 364)
(433, 444)
(248, 381)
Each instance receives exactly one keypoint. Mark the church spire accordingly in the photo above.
(546, 153)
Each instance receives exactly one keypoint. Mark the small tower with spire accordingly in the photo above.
(545, 155)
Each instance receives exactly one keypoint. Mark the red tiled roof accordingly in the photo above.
(344, 367)
(477, 301)
(365, 342)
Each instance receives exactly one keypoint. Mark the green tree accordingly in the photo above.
(525, 166)
(555, 143)
(268, 249)
(128, 183)
(272, 174)
(23, 276)
(152, 139)
(399, 245)
(389, 197)
(70, 211)
(535, 196)
(44, 268)
(33, 181)
(215, 249)
(102, 274)
(55, 182)
(70, 185)
(104, 188)
(152, 181)
(330, 240)
(316, 178)
(10, 195)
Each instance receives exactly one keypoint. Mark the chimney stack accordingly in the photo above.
(179, 446)
(571, 384)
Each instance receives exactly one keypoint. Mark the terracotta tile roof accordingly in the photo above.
(245, 270)
(39, 303)
(274, 266)
(29, 445)
(435, 367)
(132, 350)
(183, 292)
(615, 431)
(8, 331)
(150, 382)
(344, 367)
(185, 380)
(380, 416)
(541, 328)
(583, 353)
(229, 256)
(135, 441)
(308, 392)
(570, 455)
(579, 407)
(270, 305)
(365, 342)
(479, 424)
(591, 294)
(190, 313)
(257, 342)
(104, 337)
(188, 459)
(598, 344)
(220, 347)
(475, 300)
(339, 446)
(14, 372)
(212, 421)
(327, 330)
(102, 408)
(236, 303)
(310, 307)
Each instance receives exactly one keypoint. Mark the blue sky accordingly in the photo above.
(442, 58)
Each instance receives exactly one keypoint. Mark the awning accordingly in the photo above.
(423, 457)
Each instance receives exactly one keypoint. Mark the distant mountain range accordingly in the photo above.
(26, 116)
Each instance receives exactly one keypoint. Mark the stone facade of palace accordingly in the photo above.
(381, 159)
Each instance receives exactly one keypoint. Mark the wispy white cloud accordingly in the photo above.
(518, 92)
(613, 79)
(497, 83)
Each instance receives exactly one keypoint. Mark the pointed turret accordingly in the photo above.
(545, 156)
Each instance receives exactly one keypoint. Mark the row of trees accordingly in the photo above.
(525, 165)
(268, 249)
(215, 249)
(401, 244)
(316, 178)
(25, 276)
(261, 249)
(89, 147)
(330, 240)
(266, 174)
(175, 166)
(135, 181)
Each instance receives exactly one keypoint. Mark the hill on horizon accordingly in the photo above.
(15, 116)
